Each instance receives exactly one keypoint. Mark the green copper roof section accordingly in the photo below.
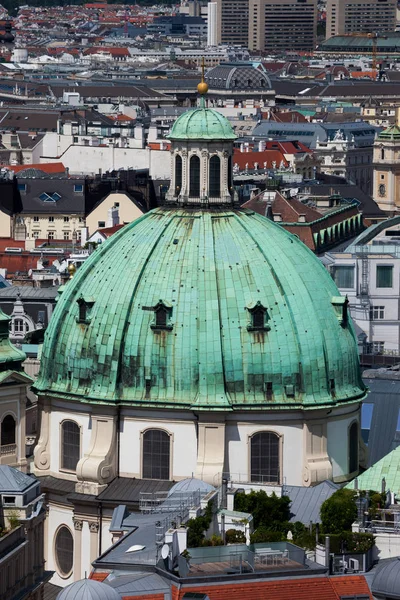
(388, 467)
(9, 354)
(208, 270)
(391, 133)
(202, 124)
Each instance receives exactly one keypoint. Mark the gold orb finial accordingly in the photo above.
(71, 270)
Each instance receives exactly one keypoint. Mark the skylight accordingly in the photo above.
(45, 197)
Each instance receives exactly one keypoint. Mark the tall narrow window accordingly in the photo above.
(382, 153)
(194, 177)
(214, 184)
(70, 445)
(156, 454)
(178, 174)
(8, 427)
(353, 448)
(230, 176)
(265, 459)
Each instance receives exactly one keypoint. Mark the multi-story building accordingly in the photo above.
(386, 168)
(367, 272)
(360, 16)
(274, 25)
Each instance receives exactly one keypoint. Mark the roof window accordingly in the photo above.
(162, 315)
(259, 317)
(85, 306)
(54, 197)
(340, 304)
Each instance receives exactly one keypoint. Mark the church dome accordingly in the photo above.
(202, 309)
(202, 124)
(88, 589)
(386, 583)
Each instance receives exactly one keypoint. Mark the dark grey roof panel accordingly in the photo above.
(124, 490)
(306, 501)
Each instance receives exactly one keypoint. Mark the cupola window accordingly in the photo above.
(382, 153)
(265, 449)
(85, 306)
(156, 452)
(178, 174)
(340, 304)
(259, 317)
(162, 315)
(194, 177)
(214, 185)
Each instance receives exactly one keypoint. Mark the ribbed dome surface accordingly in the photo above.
(209, 268)
(88, 589)
(202, 124)
(386, 583)
(189, 485)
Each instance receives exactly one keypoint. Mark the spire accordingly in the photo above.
(202, 87)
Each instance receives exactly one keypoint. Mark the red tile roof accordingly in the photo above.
(107, 231)
(97, 576)
(250, 158)
(56, 167)
(311, 588)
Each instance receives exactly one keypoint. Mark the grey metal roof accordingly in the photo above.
(12, 480)
(125, 490)
(306, 501)
(28, 293)
(138, 584)
(69, 201)
(53, 484)
(51, 591)
(88, 589)
(386, 582)
(384, 395)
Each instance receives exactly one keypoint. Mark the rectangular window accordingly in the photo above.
(22, 187)
(50, 235)
(378, 347)
(36, 235)
(36, 219)
(66, 219)
(344, 277)
(101, 224)
(76, 140)
(384, 276)
(78, 188)
(367, 410)
(66, 235)
(51, 219)
(9, 500)
(376, 312)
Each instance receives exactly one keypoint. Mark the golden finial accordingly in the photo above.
(202, 88)
(71, 270)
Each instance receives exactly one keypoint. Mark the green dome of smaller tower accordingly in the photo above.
(202, 124)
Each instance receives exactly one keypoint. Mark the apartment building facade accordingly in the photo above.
(265, 25)
(360, 16)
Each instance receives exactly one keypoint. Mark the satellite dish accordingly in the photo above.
(165, 551)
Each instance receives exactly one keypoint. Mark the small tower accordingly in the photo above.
(201, 156)
(13, 386)
(386, 164)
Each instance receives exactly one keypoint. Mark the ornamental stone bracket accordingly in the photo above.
(98, 466)
(78, 524)
(41, 452)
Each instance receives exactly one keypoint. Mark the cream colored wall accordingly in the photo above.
(5, 224)
(59, 226)
(128, 211)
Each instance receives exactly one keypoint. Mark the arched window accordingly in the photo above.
(265, 457)
(156, 454)
(353, 447)
(194, 177)
(178, 174)
(8, 427)
(214, 183)
(230, 178)
(64, 550)
(70, 445)
(382, 153)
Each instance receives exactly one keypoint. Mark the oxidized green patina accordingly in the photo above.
(202, 124)
(208, 270)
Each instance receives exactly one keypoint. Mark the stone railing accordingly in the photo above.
(8, 449)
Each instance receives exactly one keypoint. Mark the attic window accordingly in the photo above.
(45, 197)
(259, 317)
(162, 315)
(85, 306)
(340, 304)
(78, 188)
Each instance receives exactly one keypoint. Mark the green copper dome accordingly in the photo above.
(391, 133)
(203, 309)
(202, 124)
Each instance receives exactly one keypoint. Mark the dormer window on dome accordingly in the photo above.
(340, 304)
(85, 306)
(259, 317)
(162, 315)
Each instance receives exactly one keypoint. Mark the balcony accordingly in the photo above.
(8, 449)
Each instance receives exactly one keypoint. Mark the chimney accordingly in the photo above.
(261, 146)
(398, 116)
(112, 216)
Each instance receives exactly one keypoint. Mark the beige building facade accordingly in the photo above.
(99, 217)
(360, 16)
(276, 25)
(386, 165)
